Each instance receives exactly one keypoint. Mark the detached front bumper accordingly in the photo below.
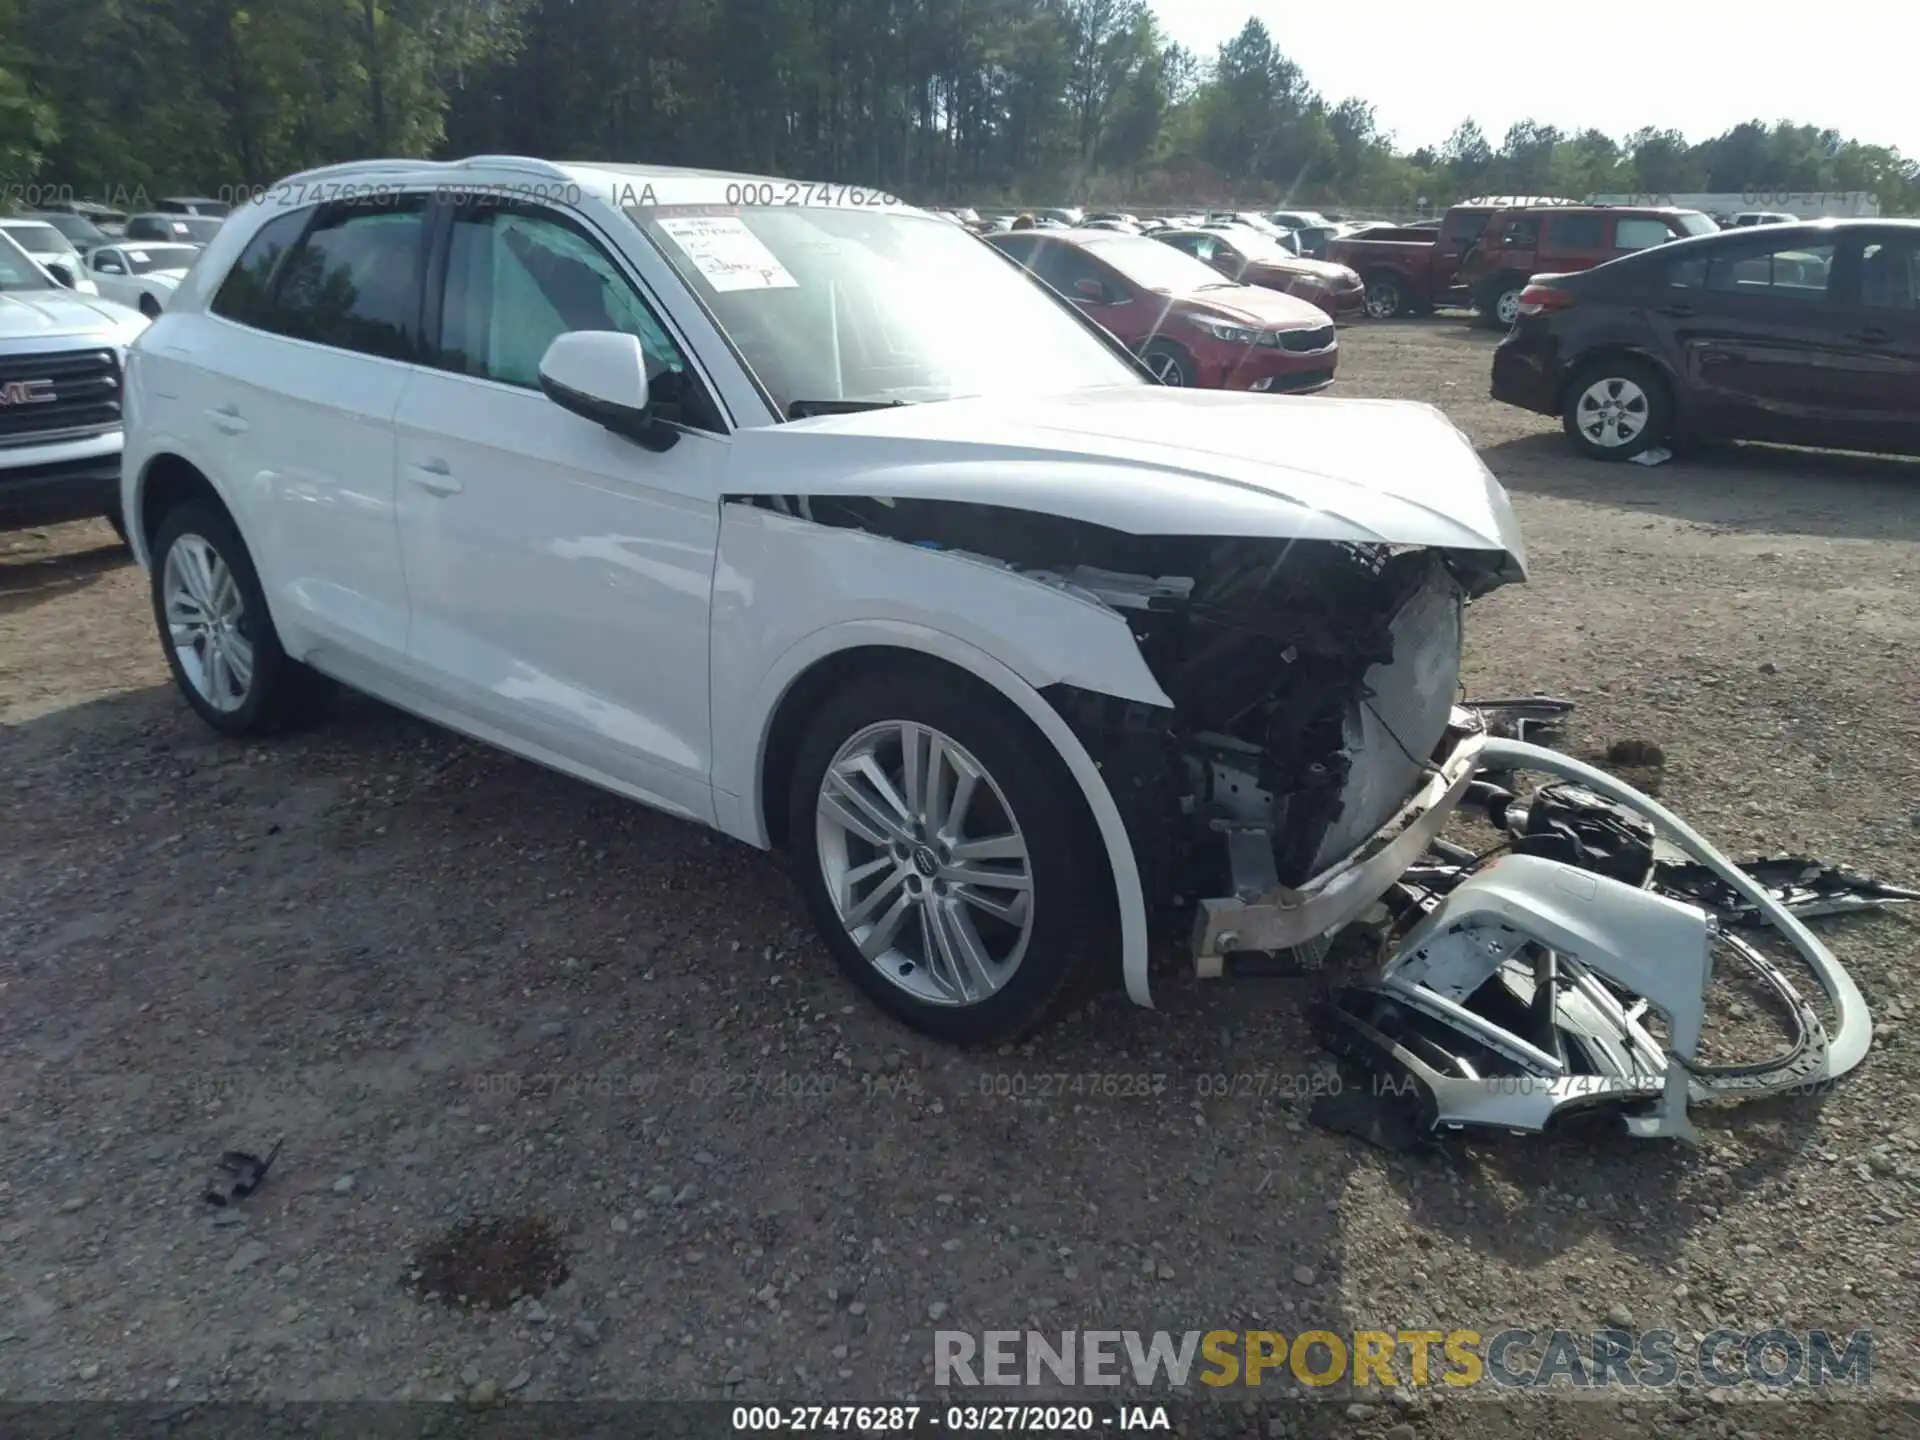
(1263, 914)
(1525, 991)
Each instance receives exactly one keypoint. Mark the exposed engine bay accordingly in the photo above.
(1317, 746)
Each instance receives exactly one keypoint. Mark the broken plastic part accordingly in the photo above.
(1519, 997)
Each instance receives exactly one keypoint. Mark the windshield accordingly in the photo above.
(1256, 246)
(74, 227)
(832, 303)
(39, 239)
(200, 228)
(17, 270)
(157, 257)
(1153, 264)
(1694, 223)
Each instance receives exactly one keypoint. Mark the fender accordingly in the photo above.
(1022, 636)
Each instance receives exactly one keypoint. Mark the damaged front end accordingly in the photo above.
(1316, 748)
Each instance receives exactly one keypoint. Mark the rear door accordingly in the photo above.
(1753, 327)
(1877, 309)
(293, 377)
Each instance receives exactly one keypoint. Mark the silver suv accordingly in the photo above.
(61, 356)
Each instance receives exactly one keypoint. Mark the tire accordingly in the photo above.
(1035, 957)
(1628, 389)
(1385, 297)
(1170, 364)
(195, 547)
(1499, 303)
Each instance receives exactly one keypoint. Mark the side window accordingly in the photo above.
(1578, 232)
(354, 281)
(1688, 274)
(1065, 266)
(1018, 248)
(1465, 226)
(1522, 233)
(243, 296)
(518, 276)
(1890, 274)
(1787, 272)
(1639, 233)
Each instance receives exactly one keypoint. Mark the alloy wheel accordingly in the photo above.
(1165, 368)
(1507, 308)
(1612, 412)
(927, 868)
(205, 613)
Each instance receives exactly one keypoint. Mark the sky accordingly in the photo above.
(1697, 66)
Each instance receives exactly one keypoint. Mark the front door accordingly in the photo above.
(1877, 311)
(561, 574)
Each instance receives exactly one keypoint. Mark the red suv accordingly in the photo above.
(1527, 241)
(1189, 324)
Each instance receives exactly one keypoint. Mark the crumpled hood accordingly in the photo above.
(1149, 460)
(50, 314)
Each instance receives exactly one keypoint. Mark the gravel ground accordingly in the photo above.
(460, 985)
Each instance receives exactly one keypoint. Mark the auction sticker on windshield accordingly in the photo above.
(729, 255)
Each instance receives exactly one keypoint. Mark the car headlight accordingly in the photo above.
(1226, 330)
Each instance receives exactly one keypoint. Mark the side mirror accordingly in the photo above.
(61, 273)
(1091, 290)
(601, 375)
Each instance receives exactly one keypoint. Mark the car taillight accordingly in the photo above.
(1536, 299)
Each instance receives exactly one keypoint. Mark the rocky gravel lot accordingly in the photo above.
(460, 985)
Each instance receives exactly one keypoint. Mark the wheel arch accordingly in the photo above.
(832, 657)
(166, 481)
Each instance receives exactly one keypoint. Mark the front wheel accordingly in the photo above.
(220, 642)
(1616, 409)
(1169, 364)
(947, 856)
(1385, 298)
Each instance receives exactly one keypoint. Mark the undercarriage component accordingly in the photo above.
(1524, 992)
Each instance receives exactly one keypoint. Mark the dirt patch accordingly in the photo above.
(487, 1264)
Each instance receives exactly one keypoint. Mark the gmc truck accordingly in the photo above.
(1415, 268)
(61, 356)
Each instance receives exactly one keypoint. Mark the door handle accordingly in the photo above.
(434, 477)
(227, 420)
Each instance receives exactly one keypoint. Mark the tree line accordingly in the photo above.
(940, 101)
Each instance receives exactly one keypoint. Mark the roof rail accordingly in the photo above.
(388, 165)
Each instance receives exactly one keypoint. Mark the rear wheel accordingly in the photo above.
(1385, 297)
(1500, 302)
(219, 639)
(947, 856)
(1616, 408)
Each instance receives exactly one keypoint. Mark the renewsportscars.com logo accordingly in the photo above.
(1771, 1359)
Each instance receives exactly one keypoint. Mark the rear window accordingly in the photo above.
(1788, 272)
(1636, 232)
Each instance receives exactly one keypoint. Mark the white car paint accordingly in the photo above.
(155, 286)
(473, 552)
